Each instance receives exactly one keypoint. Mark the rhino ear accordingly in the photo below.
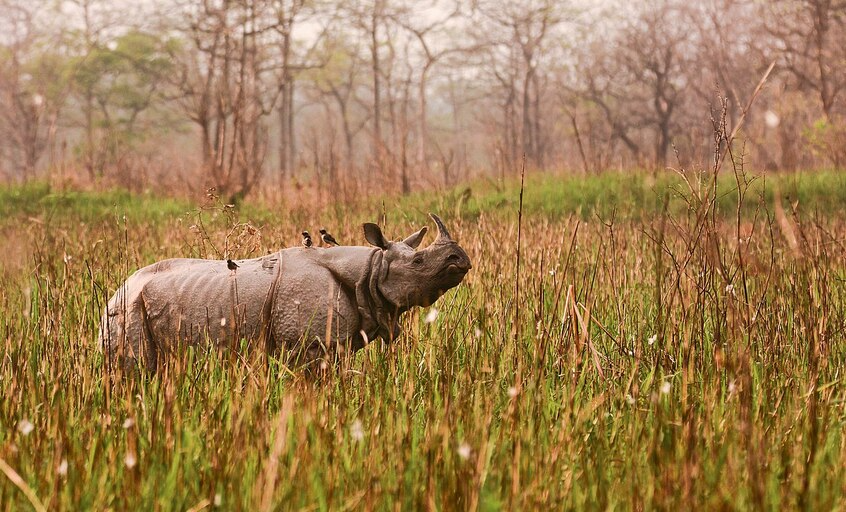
(374, 236)
(414, 239)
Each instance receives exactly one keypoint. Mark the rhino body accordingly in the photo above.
(303, 302)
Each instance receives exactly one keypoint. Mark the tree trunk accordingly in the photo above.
(527, 120)
(292, 136)
(89, 133)
(538, 146)
(377, 112)
(422, 122)
(663, 143)
(348, 144)
(403, 136)
(284, 114)
(458, 132)
(206, 148)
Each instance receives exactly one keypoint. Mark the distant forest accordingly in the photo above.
(402, 94)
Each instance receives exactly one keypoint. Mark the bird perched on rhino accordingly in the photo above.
(307, 240)
(358, 293)
(231, 265)
(327, 238)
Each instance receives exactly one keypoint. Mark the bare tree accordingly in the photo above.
(598, 85)
(98, 19)
(32, 88)
(527, 26)
(224, 89)
(339, 81)
(288, 15)
(368, 17)
(373, 21)
(649, 72)
(728, 45)
(433, 38)
(810, 38)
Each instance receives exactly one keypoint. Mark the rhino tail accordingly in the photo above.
(125, 336)
(113, 324)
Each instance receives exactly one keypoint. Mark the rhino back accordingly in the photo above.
(187, 299)
(196, 298)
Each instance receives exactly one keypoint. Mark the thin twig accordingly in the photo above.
(745, 111)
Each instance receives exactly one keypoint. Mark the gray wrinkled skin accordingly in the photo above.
(300, 302)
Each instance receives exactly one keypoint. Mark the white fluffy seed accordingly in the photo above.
(464, 451)
(357, 430)
(25, 427)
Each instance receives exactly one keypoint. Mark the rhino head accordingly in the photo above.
(417, 278)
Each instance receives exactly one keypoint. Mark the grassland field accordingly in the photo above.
(665, 343)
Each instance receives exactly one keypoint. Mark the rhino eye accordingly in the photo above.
(418, 260)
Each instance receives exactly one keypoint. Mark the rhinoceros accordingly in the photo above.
(303, 302)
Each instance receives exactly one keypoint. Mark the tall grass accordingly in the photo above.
(669, 354)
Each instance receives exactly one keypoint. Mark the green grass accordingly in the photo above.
(632, 195)
(38, 199)
(698, 373)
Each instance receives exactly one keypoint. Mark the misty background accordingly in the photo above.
(352, 97)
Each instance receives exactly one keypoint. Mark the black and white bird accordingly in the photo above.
(307, 240)
(327, 238)
(231, 265)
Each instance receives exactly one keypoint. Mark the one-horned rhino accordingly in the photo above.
(303, 302)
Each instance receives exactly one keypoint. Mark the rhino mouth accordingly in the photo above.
(454, 268)
(458, 263)
(458, 269)
(453, 275)
(448, 278)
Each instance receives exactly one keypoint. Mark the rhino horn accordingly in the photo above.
(443, 233)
